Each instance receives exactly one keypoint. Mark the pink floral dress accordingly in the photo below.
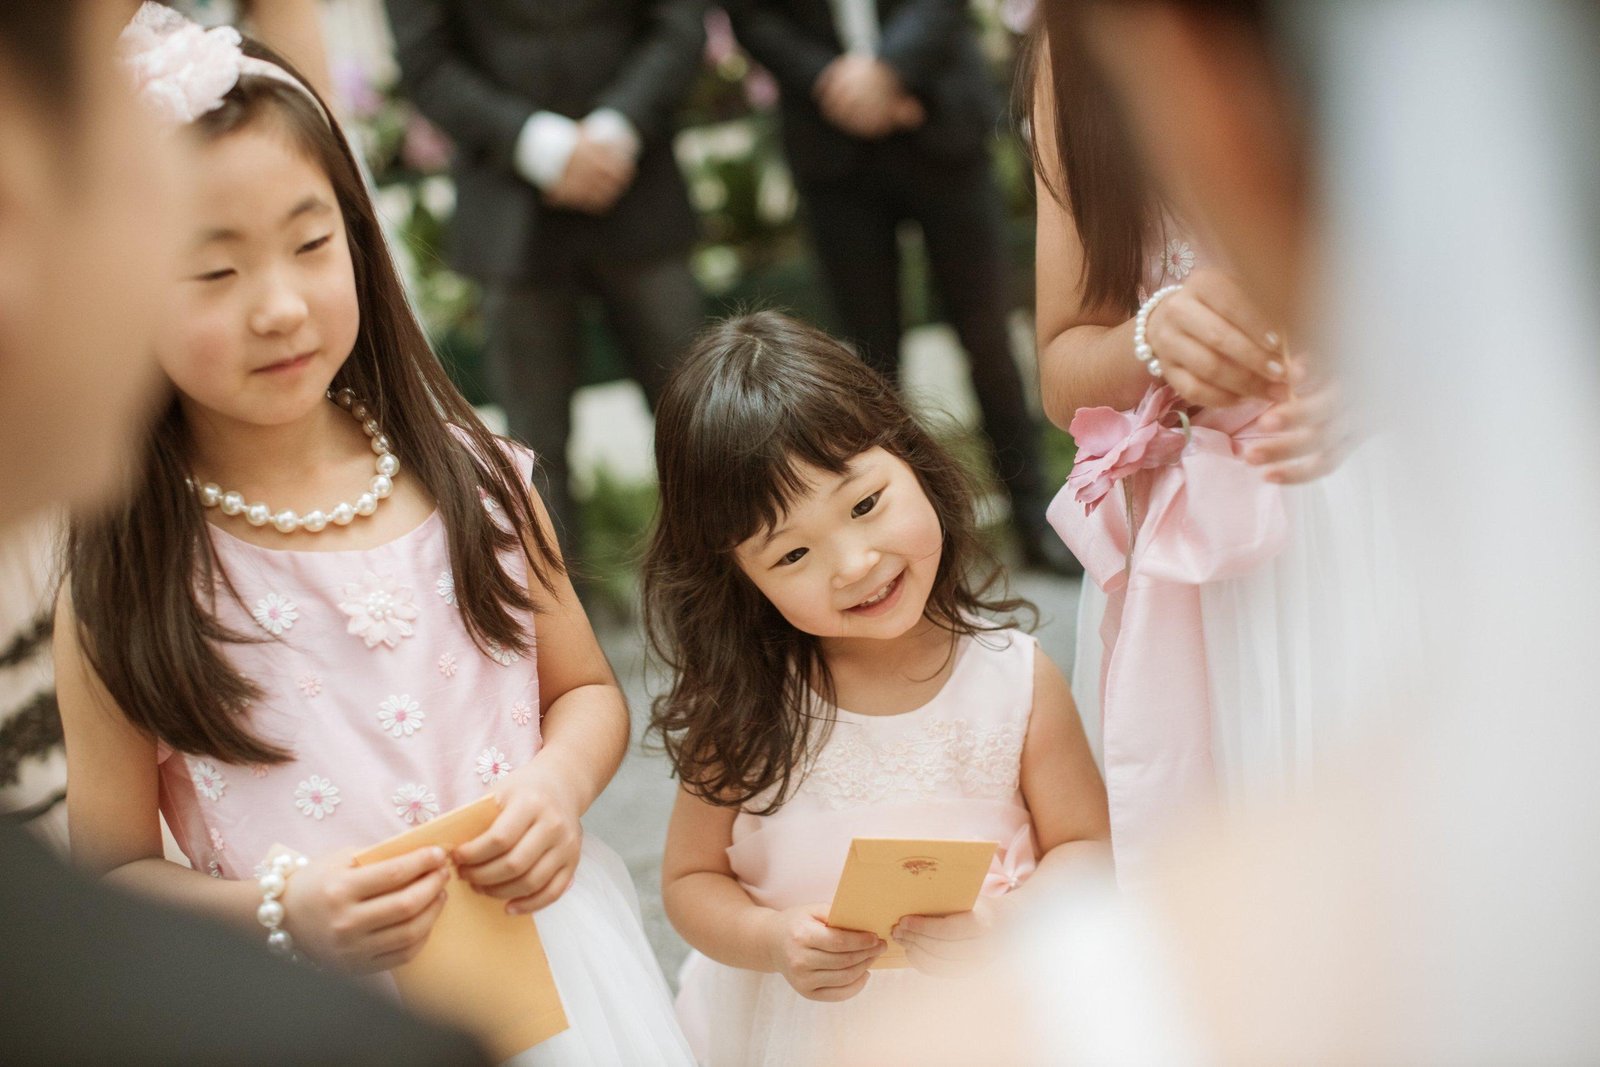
(370, 678)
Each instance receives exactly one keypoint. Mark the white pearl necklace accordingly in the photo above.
(341, 514)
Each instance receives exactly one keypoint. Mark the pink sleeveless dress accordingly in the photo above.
(950, 768)
(1214, 655)
(394, 716)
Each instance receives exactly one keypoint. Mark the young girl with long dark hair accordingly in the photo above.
(1214, 481)
(842, 667)
(313, 623)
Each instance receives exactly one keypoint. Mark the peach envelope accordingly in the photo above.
(888, 878)
(482, 970)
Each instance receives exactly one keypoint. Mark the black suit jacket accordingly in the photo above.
(88, 975)
(931, 44)
(480, 68)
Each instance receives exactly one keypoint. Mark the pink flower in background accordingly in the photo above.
(720, 43)
(1017, 15)
(425, 148)
(1114, 444)
(761, 89)
(355, 90)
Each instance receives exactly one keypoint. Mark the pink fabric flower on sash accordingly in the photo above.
(1114, 444)
(1195, 512)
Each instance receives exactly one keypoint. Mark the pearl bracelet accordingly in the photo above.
(270, 913)
(1141, 347)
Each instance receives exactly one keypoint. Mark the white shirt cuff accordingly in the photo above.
(544, 146)
(610, 126)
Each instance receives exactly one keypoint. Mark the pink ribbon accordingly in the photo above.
(1203, 516)
(1012, 864)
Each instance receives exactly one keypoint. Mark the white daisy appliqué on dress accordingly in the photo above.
(492, 765)
(380, 610)
(400, 715)
(415, 803)
(447, 664)
(446, 587)
(310, 685)
(316, 797)
(208, 781)
(1178, 260)
(275, 614)
(521, 713)
(503, 656)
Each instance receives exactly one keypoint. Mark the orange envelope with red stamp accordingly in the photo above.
(887, 878)
(482, 970)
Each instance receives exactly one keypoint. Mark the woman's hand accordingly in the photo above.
(820, 962)
(1215, 349)
(529, 856)
(370, 918)
(952, 944)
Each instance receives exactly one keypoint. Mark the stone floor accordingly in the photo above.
(632, 815)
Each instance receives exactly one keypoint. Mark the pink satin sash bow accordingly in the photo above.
(1013, 861)
(1206, 516)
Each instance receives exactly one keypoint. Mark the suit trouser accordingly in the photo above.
(535, 355)
(854, 222)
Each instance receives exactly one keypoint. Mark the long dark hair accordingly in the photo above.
(145, 576)
(759, 397)
(1095, 172)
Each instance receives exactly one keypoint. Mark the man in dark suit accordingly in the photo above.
(887, 110)
(561, 112)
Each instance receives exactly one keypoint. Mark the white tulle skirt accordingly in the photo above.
(612, 988)
(1287, 645)
(739, 1018)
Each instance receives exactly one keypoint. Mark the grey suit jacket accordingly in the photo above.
(480, 68)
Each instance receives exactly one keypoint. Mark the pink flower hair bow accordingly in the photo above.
(184, 70)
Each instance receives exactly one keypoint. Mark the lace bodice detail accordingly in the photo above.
(949, 769)
(938, 757)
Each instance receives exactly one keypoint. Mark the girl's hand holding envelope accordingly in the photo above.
(953, 944)
(820, 961)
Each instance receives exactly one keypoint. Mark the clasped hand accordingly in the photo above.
(597, 174)
(863, 96)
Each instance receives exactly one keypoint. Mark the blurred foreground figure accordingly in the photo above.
(1432, 900)
(1217, 480)
(86, 223)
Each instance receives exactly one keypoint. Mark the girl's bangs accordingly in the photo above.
(773, 469)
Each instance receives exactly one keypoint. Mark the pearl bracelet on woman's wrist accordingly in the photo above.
(270, 914)
(1141, 347)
